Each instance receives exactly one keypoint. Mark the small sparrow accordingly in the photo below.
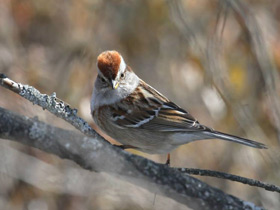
(138, 116)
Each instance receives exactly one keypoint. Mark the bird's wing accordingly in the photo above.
(151, 110)
(167, 117)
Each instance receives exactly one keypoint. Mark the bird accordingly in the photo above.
(139, 117)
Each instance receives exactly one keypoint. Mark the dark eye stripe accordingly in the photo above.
(101, 78)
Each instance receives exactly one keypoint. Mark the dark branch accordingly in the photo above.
(96, 155)
(231, 177)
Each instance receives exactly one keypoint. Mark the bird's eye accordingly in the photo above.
(122, 75)
(102, 79)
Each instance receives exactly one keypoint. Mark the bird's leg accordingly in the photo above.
(168, 160)
(125, 146)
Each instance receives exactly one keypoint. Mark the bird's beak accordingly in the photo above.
(114, 84)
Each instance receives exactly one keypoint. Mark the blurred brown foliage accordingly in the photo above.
(53, 46)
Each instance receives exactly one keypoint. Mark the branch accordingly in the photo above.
(51, 103)
(231, 177)
(93, 154)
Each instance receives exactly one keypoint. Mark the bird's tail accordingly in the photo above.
(228, 137)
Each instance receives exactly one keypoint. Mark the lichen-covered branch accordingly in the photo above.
(50, 103)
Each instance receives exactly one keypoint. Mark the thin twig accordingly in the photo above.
(222, 175)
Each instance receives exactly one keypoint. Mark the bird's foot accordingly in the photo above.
(168, 160)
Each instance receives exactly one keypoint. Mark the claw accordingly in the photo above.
(168, 160)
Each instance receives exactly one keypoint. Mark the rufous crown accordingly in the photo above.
(108, 63)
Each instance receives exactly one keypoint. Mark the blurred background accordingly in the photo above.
(220, 60)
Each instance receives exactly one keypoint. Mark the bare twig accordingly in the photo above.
(231, 177)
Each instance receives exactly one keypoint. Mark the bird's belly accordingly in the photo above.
(152, 142)
(143, 140)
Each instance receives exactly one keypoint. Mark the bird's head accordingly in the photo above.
(115, 79)
(111, 69)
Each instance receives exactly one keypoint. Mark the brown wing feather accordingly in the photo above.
(156, 112)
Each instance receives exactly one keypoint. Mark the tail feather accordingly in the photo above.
(240, 140)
